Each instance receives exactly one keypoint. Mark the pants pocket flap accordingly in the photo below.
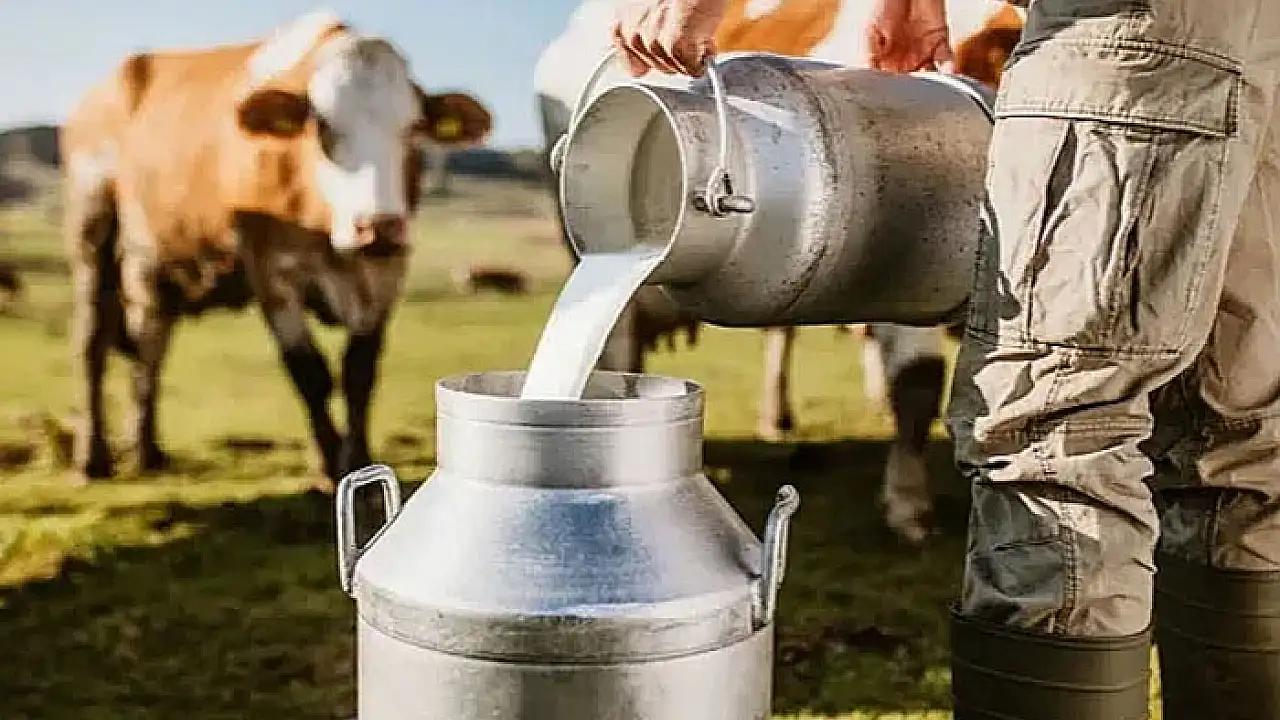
(1128, 81)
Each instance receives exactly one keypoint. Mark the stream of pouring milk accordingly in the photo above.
(640, 223)
(598, 290)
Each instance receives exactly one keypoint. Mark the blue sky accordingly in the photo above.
(53, 50)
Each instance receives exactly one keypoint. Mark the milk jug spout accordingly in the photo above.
(784, 190)
(718, 197)
(681, 198)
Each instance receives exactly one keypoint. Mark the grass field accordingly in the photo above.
(211, 592)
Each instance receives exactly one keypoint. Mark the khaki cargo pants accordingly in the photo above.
(1123, 352)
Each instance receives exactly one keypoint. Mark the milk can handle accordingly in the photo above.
(348, 551)
(776, 531)
(717, 198)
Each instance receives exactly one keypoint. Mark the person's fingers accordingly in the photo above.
(891, 54)
(689, 54)
(873, 47)
(661, 37)
(893, 60)
(636, 66)
(627, 17)
(877, 47)
(636, 35)
(943, 58)
(636, 38)
(706, 51)
(662, 59)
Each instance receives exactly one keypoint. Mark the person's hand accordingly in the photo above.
(673, 36)
(909, 35)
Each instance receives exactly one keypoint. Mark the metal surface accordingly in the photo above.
(348, 551)
(413, 683)
(776, 532)
(568, 560)
(867, 190)
(718, 198)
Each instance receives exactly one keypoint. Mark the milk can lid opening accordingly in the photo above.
(623, 182)
(610, 398)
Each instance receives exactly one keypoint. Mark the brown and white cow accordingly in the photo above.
(905, 363)
(280, 171)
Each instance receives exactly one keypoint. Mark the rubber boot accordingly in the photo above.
(1218, 639)
(999, 673)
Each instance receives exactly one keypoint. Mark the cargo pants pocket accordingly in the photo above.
(1106, 166)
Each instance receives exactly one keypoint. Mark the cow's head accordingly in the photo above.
(359, 117)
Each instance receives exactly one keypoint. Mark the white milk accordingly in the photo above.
(597, 292)
(641, 222)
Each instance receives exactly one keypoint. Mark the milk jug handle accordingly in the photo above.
(556, 158)
(348, 551)
(776, 532)
(718, 197)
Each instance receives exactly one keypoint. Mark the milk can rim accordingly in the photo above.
(574, 133)
(455, 400)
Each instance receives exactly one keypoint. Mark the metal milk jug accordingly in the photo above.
(796, 191)
(567, 560)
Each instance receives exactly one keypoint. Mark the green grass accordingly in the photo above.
(211, 592)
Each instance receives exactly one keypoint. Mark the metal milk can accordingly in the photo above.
(567, 560)
(786, 190)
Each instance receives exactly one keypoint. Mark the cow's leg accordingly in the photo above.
(311, 378)
(278, 288)
(90, 234)
(913, 361)
(776, 419)
(874, 384)
(308, 371)
(359, 376)
(366, 294)
(149, 327)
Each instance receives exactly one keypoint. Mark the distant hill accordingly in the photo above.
(36, 142)
(29, 160)
(499, 164)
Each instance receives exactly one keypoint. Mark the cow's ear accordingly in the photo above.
(452, 118)
(274, 112)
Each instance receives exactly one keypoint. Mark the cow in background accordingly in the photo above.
(905, 363)
(280, 171)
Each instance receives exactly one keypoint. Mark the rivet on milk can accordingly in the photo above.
(795, 192)
(566, 560)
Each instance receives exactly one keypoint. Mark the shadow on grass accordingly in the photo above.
(236, 611)
(45, 264)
